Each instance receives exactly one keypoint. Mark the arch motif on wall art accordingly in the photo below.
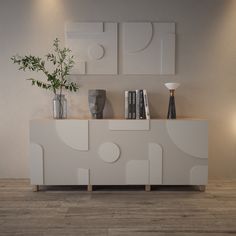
(147, 47)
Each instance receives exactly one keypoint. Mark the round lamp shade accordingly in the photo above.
(172, 86)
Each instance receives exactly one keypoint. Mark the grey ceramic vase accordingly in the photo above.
(96, 100)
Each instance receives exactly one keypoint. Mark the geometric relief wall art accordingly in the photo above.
(148, 48)
(94, 46)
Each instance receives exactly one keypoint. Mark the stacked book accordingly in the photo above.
(136, 104)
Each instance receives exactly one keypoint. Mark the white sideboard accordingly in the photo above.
(118, 152)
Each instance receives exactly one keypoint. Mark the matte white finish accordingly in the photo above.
(172, 86)
(129, 124)
(199, 175)
(36, 164)
(95, 44)
(148, 48)
(141, 32)
(83, 176)
(167, 57)
(155, 163)
(79, 67)
(109, 152)
(137, 172)
(73, 133)
(73, 29)
(96, 52)
(117, 157)
(189, 137)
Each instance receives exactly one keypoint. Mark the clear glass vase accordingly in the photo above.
(59, 107)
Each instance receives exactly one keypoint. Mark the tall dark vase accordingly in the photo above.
(171, 109)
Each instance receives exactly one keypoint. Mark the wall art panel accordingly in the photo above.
(94, 45)
(148, 48)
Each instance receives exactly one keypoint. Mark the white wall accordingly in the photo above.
(206, 69)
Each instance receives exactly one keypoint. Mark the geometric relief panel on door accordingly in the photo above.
(36, 164)
(146, 171)
(199, 175)
(73, 133)
(137, 172)
(148, 48)
(94, 46)
(190, 137)
(155, 163)
(83, 176)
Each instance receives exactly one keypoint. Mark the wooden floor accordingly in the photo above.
(73, 211)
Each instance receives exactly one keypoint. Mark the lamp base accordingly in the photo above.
(171, 109)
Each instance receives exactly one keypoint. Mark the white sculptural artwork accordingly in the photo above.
(94, 45)
(148, 48)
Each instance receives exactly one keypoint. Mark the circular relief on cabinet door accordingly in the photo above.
(109, 152)
(96, 52)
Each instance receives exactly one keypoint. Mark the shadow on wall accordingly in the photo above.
(108, 112)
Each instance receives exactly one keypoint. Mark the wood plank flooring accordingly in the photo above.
(166, 211)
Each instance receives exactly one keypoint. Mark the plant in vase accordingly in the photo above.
(62, 62)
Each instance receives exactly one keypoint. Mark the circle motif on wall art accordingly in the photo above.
(96, 52)
(109, 152)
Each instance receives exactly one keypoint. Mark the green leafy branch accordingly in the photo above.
(57, 80)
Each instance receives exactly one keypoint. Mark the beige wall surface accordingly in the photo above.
(205, 68)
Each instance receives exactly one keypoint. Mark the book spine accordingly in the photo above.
(141, 105)
(126, 104)
(129, 104)
(133, 105)
(146, 104)
(137, 104)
